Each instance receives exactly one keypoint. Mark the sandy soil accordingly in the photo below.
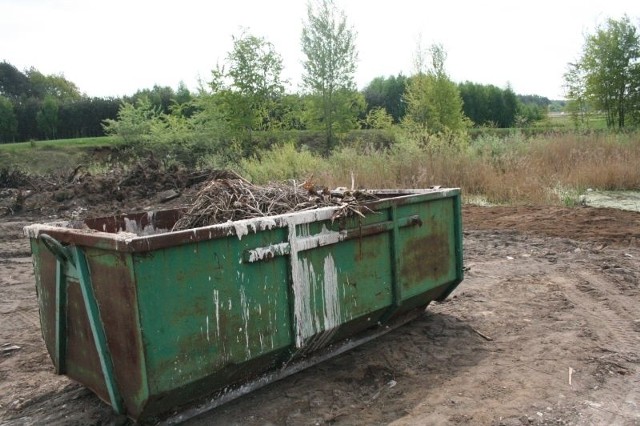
(545, 329)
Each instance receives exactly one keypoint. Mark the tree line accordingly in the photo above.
(55, 108)
(36, 106)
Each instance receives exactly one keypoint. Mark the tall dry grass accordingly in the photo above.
(551, 169)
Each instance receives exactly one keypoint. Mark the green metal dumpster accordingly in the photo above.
(150, 319)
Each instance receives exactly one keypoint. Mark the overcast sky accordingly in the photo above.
(116, 47)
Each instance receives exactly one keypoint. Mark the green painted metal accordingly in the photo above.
(458, 247)
(190, 313)
(396, 284)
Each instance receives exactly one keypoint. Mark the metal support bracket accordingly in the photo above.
(396, 285)
(61, 318)
(99, 336)
(73, 257)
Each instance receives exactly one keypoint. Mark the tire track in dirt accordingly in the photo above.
(614, 323)
(611, 321)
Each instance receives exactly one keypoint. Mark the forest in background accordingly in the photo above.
(35, 106)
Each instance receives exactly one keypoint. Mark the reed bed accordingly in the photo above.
(502, 170)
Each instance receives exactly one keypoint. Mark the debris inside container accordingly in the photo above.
(232, 198)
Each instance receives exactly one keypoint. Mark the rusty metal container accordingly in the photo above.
(150, 319)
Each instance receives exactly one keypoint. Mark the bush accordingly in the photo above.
(282, 163)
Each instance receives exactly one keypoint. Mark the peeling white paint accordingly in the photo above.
(216, 304)
(241, 228)
(323, 238)
(256, 225)
(302, 275)
(134, 227)
(245, 316)
(304, 230)
(268, 252)
(307, 318)
(261, 224)
(208, 340)
(331, 299)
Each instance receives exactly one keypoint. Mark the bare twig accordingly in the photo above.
(484, 336)
(229, 197)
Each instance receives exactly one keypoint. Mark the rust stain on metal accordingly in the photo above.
(161, 219)
(47, 297)
(116, 296)
(425, 258)
(83, 362)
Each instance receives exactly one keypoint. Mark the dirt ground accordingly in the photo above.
(545, 329)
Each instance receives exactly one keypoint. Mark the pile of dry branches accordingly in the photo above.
(232, 198)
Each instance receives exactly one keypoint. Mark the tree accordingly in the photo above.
(160, 97)
(52, 85)
(249, 88)
(489, 105)
(255, 69)
(135, 122)
(607, 75)
(13, 83)
(433, 101)
(343, 114)
(531, 108)
(328, 44)
(52, 106)
(290, 112)
(47, 117)
(84, 118)
(387, 93)
(378, 118)
(8, 121)
(448, 103)
(183, 102)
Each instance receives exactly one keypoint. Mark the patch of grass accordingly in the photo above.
(49, 156)
(77, 143)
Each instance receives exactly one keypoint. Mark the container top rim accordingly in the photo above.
(239, 227)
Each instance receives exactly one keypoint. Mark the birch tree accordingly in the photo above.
(328, 44)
